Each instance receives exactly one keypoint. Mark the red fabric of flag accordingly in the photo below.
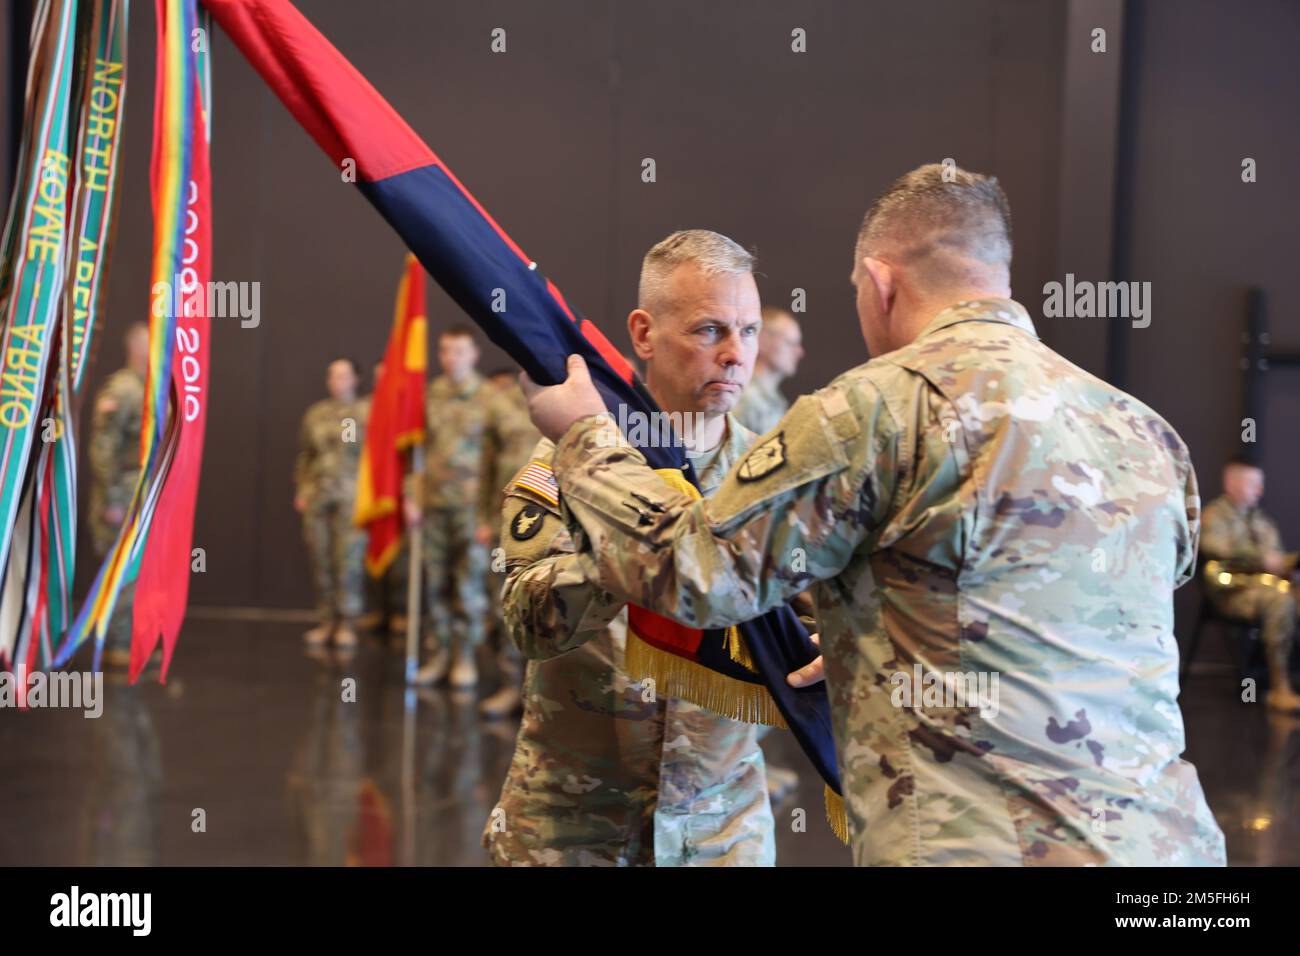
(396, 423)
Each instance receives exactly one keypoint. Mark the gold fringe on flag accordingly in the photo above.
(686, 680)
(736, 648)
(836, 815)
(738, 651)
(682, 678)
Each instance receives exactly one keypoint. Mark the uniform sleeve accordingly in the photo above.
(1187, 546)
(306, 456)
(1269, 537)
(792, 511)
(550, 603)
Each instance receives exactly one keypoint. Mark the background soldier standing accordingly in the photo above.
(1234, 530)
(325, 478)
(455, 563)
(114, 469)
(508, 441)
(780, 347)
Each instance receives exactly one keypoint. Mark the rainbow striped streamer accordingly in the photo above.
(178, 67)
(33, 261)
(91, 218)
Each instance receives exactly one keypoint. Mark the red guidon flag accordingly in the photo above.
(396, 423)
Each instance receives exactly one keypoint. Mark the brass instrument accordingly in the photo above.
(1224, 574)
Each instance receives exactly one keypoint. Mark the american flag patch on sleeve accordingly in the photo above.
(540, 480)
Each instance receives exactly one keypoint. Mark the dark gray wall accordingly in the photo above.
(782, 151)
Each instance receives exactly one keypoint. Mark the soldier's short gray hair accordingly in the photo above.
(713, 252)
(936, 212)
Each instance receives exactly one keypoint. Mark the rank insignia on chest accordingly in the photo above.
(527, 522)
(763, 459)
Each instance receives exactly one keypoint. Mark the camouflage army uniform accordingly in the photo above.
(761, 405)
(455, 564)
(326, 476)
(970, 503)
(1243, 538)
(115, 468)
(604, 774)
(508, 441)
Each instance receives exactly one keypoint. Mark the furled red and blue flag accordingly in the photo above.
(471, 257)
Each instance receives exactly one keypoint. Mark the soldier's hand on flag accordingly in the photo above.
(809, 673)
(555, 408)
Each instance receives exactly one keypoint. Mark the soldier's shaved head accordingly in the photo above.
(951, 225)
(937, 236)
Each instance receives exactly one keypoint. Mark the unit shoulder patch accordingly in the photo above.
(527, 522)
(763, 459)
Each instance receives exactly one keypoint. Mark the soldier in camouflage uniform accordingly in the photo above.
(114, 470)
(780, 347)
(1235, 531)
(604, 773)
(325, 480)
(970, 504)
(508, 441)
(455, 562)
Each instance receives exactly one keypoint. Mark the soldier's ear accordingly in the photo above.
(639, 324)
(881, 275)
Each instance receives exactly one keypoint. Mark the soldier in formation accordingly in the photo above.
(325, 480)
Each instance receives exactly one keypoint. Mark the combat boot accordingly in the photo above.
(1283, 699)
(117, 657)
(507, 700)
(435, 670)
(318, 635)
(464, 669)
(345, 636)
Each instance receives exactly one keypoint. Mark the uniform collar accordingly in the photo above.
(1239, 512)
(766, 383)
(1003, 311)
(445, 385)
(735, 442)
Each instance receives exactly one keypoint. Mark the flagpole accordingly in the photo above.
(414, 542)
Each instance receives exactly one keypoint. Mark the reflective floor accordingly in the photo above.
(249, 755)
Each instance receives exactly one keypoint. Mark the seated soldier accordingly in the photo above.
(1248, 575)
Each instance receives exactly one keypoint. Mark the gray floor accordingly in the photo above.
(253, 732)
